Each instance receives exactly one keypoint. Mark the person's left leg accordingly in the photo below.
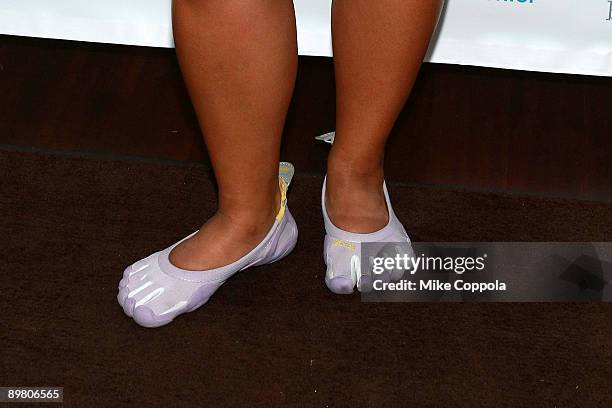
(378, 49)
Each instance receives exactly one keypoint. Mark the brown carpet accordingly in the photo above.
(274, 335)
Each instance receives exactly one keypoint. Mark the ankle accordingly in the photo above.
(346, 182)
(351, 173)
(252, 214)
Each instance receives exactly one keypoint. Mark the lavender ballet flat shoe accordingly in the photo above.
(342, 251)
(154, 292)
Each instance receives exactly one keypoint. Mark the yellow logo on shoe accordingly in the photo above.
(283, 190)
(345, 244)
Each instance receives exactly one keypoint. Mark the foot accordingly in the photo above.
(342, 248)
(356, 210)
(154, 290)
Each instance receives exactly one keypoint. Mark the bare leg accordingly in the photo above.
(239, 60)
(378, 48)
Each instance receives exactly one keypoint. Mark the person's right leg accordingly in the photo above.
(239, 61)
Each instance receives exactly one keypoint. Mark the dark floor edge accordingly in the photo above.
(94, 155)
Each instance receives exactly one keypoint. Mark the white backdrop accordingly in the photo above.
(569, 36)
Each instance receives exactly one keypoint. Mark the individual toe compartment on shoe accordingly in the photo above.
(341, 285)
(145, 317)
(128, 306)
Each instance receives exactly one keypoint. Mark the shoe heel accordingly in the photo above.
(287, 241)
